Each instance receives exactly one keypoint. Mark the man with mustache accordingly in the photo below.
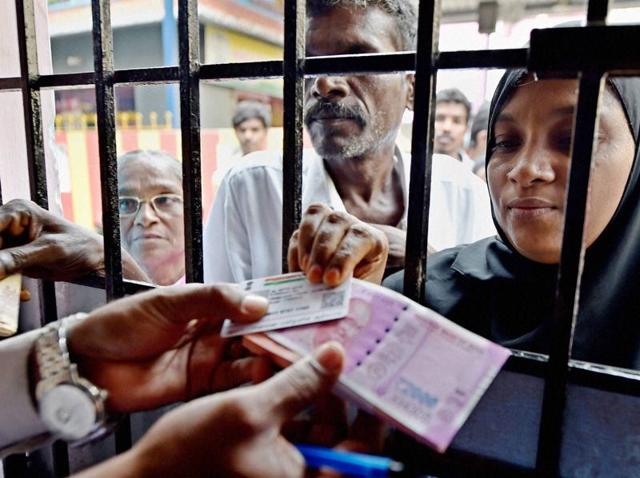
(453, 111)
(356, 168)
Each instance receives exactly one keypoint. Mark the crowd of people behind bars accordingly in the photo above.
(494, 249)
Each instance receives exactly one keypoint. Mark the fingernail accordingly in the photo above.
(303, 262)
(332, 276)
(315, 273)
(254, 304)
(329, 357)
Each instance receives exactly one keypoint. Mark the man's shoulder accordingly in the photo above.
(256, 161)
(448, 170)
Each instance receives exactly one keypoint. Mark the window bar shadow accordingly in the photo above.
(31, 100)
(293, 64)
(421, 150)
(105, 109)
(189, 47)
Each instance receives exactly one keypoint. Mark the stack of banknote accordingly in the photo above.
(405, 363)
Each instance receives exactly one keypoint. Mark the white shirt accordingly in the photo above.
(242, 239)
(466, 160)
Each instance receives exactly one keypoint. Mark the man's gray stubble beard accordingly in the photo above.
(364, 144)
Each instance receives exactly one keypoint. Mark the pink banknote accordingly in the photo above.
(405, 363)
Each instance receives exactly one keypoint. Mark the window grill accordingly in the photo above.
(551, 390)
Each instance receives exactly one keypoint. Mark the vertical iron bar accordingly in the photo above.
(189, 39)
(105, 108)
(28, 52)
(294, 53)
(36, 161)
(569, 272)
(597, 11)
(566, 305)
(421, 150)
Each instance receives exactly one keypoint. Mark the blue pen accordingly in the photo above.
(351, 464)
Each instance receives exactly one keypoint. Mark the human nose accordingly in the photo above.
(532, 166)
(146, 214)
(329, 88)
(446, 124)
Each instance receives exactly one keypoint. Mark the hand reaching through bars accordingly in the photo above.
(235, 433)
(45, 246)
(164, 346)
(330, 246)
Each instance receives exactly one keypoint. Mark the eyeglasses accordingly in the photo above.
(162, 204)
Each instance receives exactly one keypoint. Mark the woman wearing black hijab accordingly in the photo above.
(503, 287)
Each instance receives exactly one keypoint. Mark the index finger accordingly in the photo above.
(313, 217)
(152, 322)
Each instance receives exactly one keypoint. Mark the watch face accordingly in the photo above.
(68, 411)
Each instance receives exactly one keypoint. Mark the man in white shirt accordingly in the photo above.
(453, 112)
(353, 123)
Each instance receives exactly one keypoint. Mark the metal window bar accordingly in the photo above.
(190, 130)
(106, 123)
(546, 53)
(28, 55)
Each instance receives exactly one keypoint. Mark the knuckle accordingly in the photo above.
(381, 243)
(302, 383)
(342, 256)
(320, 252)
(246, 414)
(16, 204)
(316, 208)
(360, 230)
(306, 229)
(221, 292)
(14, 259)
(337, 217)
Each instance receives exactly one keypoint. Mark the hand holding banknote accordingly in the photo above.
(330, 246)
(163, 346)
(235, 433)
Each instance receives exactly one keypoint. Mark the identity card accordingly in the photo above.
(293, 301)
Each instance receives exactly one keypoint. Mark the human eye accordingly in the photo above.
(127, 205)
(505, 144)
(562, 141)
(167, 202)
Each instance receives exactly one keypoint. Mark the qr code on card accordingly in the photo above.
(332, 299)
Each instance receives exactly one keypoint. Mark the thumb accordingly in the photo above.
(16, 259)
(296, 387)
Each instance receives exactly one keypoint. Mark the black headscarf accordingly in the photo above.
(490, 288)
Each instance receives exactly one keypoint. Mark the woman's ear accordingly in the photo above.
(411, 81)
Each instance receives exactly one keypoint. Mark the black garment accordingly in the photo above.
(491, 289)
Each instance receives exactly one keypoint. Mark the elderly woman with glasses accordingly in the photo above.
(151, 213)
